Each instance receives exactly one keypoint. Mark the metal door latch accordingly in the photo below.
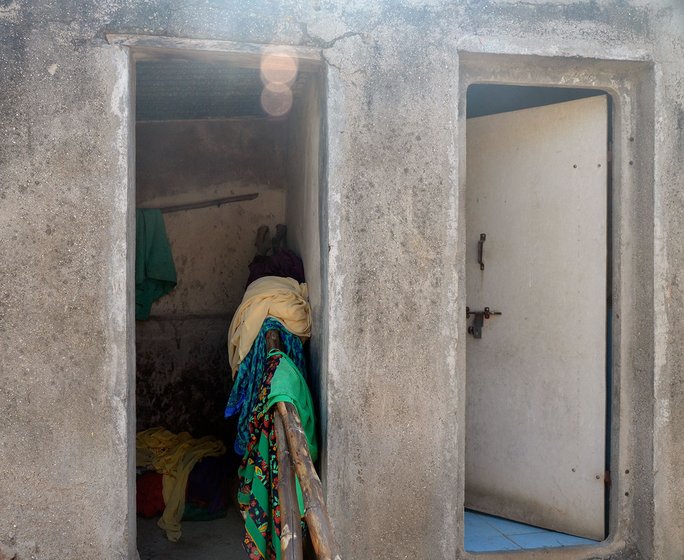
(478, 320)
(480, 250)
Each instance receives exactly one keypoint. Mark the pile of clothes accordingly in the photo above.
(178, 477)
(276, 298)
(173, 457)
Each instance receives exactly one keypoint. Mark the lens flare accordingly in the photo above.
(278, 67)
(276, 99)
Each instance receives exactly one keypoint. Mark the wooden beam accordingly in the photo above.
(316, 515)
(273, 341)
(290, 516)
(207, 203)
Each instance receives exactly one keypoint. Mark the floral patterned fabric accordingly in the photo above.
(258, 492)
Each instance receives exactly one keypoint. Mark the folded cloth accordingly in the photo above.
(155, 273)
(258, 493)
(245, 392)
(282, 298)
(174, 456)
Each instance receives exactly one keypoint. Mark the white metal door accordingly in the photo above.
(536, 381)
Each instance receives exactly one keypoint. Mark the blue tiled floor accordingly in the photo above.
(485, 533)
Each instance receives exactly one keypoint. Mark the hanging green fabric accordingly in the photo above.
(258, 494)
(155, 273)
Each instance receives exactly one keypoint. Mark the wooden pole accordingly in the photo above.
(316, 515)
(317, 519)
(273, 341)
(290, 516)
(208, 203)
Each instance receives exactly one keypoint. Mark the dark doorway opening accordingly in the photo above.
(221, 152)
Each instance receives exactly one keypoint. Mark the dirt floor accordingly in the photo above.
(201, 540)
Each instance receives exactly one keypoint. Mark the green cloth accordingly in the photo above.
(288, 385)
(155, 273)
(258, 494)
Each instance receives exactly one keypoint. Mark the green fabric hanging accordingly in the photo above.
(155, 273)
(288, 385)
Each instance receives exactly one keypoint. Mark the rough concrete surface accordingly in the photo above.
(182, 375)
(198, 158)
(395, 364)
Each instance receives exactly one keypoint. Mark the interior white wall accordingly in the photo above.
(181, 358)
(212, 248)
(183, 162)
(304, 210)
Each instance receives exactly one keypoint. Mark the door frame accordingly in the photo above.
(153, 47)
(564, 502)
(629, 85)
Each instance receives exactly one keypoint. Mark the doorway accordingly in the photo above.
(538, 280)
(225, 146)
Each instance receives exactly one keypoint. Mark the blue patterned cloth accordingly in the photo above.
(245, 394)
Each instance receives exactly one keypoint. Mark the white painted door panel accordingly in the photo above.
(536, 383)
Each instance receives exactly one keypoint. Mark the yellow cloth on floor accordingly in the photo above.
(284, 299)
(173, 456)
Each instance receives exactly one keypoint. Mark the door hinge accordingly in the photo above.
(606, 479)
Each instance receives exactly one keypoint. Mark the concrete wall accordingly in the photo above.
(204, 159)
(395, 361)
(182, 371)
(194, 161)
(668, 371)
(182, 374)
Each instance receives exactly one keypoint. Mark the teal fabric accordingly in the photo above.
(155, 273)
(245, 393)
